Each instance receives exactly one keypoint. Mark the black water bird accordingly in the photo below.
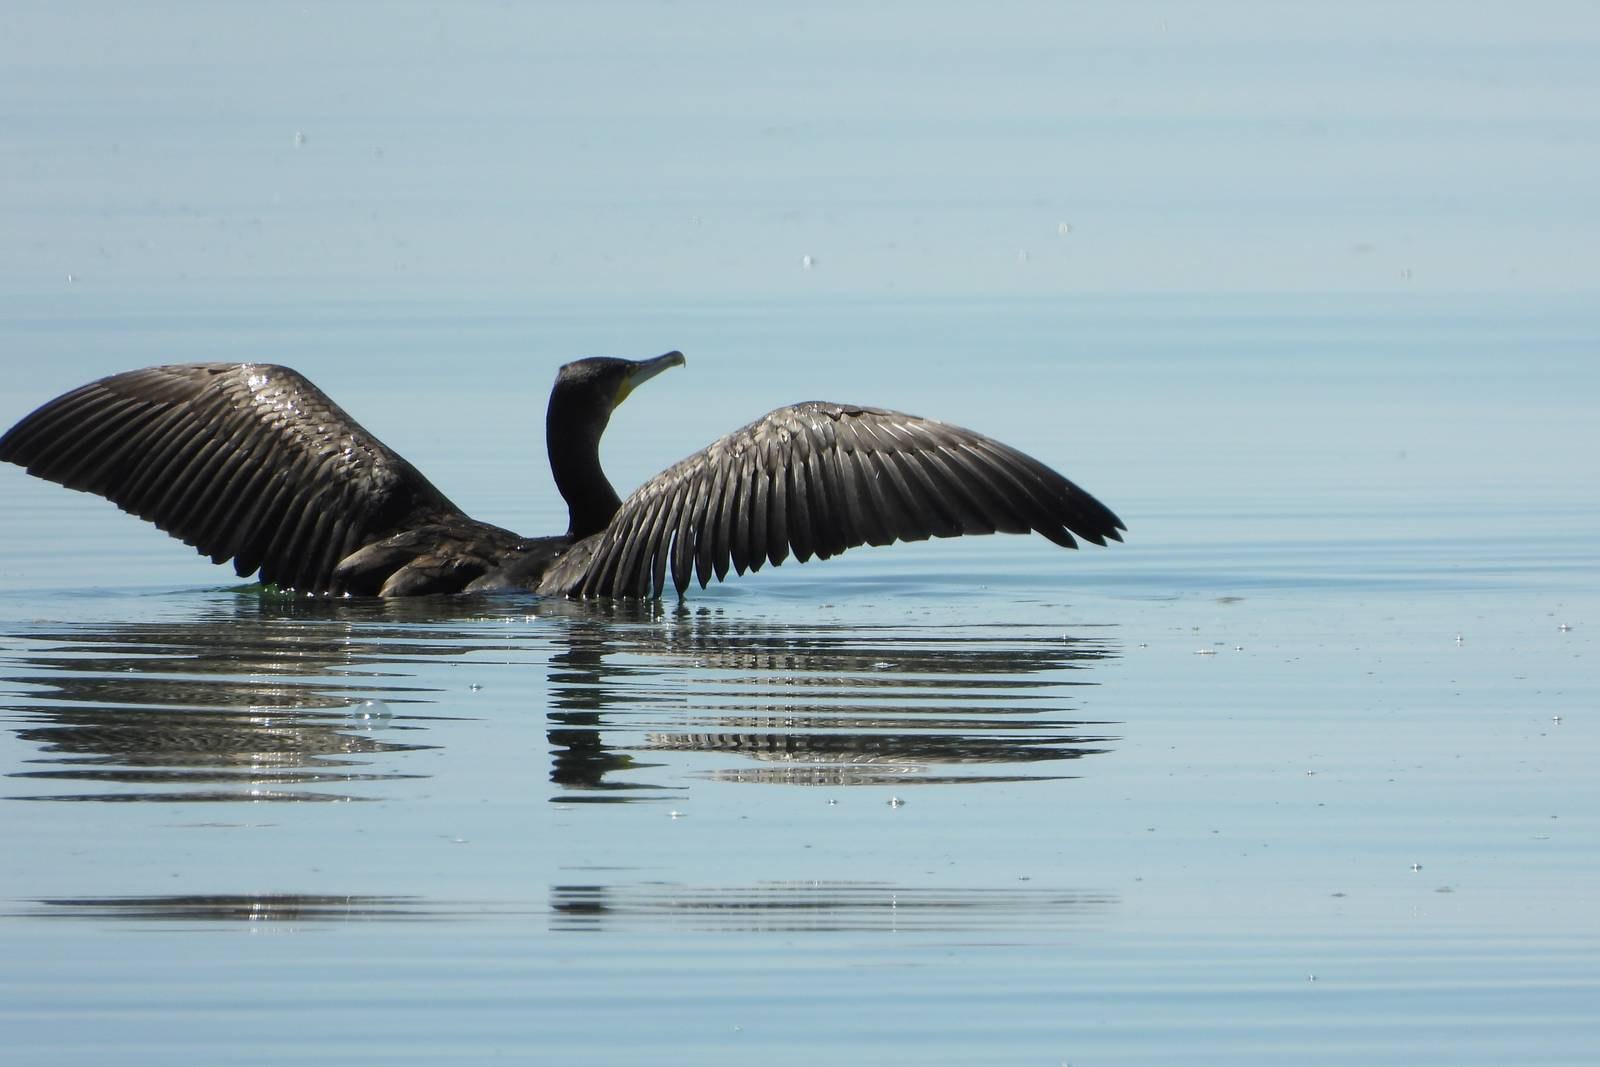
(252, 463)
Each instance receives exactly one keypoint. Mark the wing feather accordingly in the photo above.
(741, 528)
(778, 515)
(827, 531)
(943, 514)
(818, 478)
(995, 506)
(249, 462)
(759, 503)
(706, 517)
(799, 508)
(683, 541)
(727, 504)
(632, 547)
(663, 539)
(893, 508)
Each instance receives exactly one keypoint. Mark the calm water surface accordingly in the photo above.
(1303, 773)
(1303, 770)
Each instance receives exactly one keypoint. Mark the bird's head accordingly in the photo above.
(600, 383)
(586, 392)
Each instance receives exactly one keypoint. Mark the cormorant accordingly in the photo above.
(252, 463)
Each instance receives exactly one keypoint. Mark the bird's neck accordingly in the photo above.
(574, 447)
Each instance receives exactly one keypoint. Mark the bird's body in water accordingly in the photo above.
(254, 464)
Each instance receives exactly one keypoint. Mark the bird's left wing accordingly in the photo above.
(244, 461)
(815, 479)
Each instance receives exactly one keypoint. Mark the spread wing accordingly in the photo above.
(244, 461)
(815, 479)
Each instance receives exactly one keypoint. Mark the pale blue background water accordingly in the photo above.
(1303, 770)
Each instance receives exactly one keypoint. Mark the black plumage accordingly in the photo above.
(253, 463)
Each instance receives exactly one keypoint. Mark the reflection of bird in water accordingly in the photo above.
(256, 701)
(254, 464)
(809, 704)
(299, 699)
(816, 905)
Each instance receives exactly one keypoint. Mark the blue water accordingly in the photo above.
(1303, 772)
(1303, 768)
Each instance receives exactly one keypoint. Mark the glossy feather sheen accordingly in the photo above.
(253, 463)
(817, 478)
(249, 462)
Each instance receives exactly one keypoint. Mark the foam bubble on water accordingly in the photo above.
(372, 711)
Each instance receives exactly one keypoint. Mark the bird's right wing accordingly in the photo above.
(244, 461)
(816, 479)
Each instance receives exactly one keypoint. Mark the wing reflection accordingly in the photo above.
(227, 907)
(783, 907)
(250, 699)
(817, 907)
(253, 700)
(816, 705)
